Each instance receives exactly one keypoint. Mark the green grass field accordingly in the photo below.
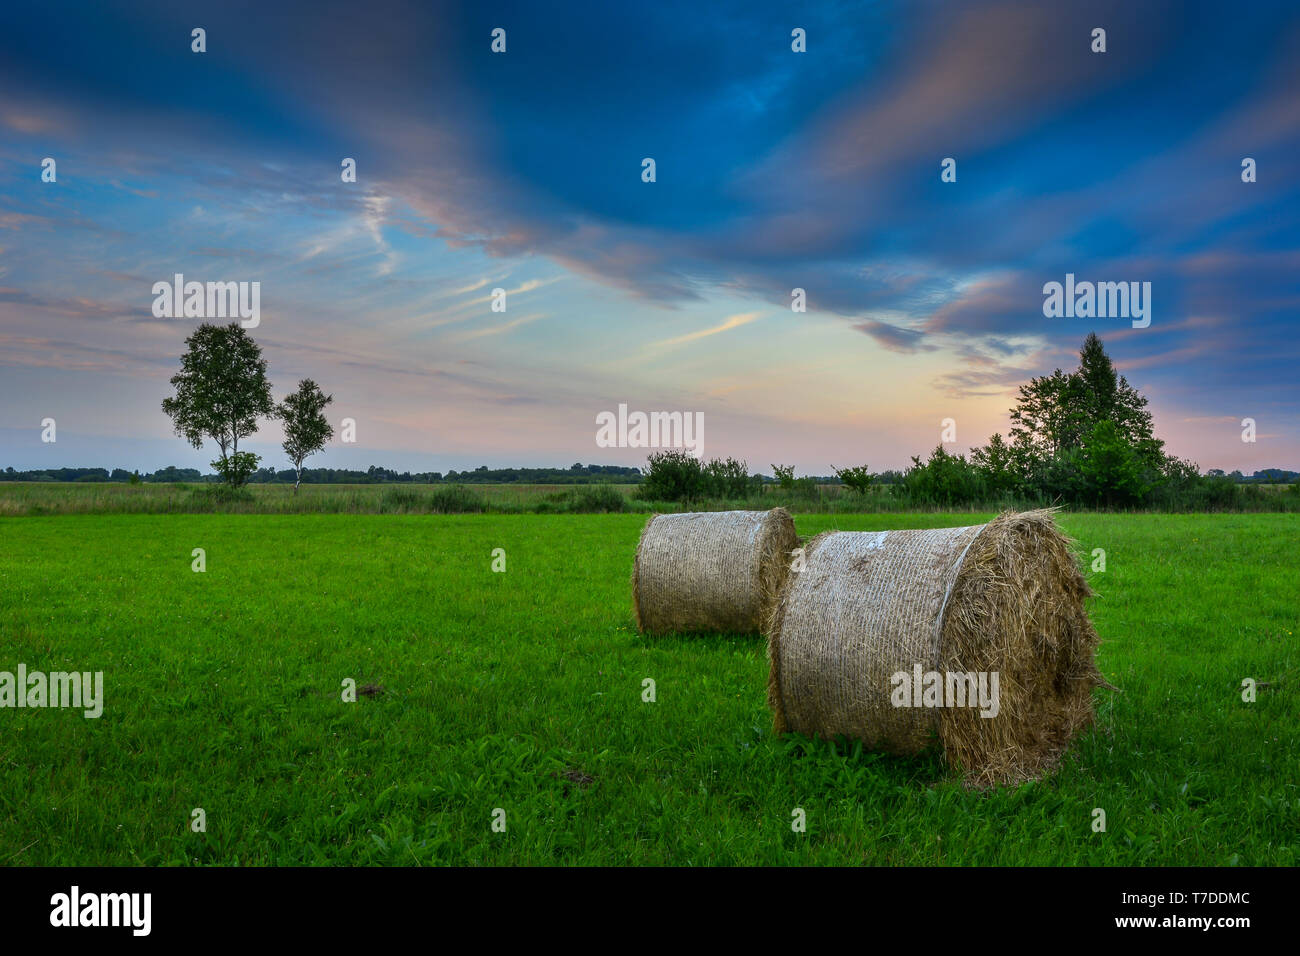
(523, 691)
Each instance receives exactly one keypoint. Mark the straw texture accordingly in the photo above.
(711, 571)
(1007, 597)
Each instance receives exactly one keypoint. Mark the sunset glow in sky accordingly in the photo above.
(522, 170)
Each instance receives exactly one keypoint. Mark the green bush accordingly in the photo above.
(1000, 466)
(598, 499)
(943, 480)
(1220, 493)
(727, 479)
(456, 499)
(672, 476)
(402, 499)
(1111, 470)
(236, 468)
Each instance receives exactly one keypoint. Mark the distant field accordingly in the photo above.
(522, 691)
(41, 498)
(34, 499)
(31, 498)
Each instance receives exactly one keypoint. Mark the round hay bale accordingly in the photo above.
(711, 571)
(1006, 598)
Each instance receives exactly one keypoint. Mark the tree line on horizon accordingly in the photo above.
(1083, 438)
(375, 474)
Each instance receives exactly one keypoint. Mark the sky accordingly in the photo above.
(774, 170)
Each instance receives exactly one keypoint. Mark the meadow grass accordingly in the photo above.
(523, 691)
(33, 498)
(42, 498)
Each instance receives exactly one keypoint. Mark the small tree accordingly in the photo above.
(996, 462)
(785, 478)
(784, 475)
(857, 478)
(306, 429)
(221, 391)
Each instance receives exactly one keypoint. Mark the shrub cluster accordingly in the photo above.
(675, 475)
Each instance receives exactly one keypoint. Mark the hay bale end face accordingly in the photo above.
(1004, 599)
(711, 571)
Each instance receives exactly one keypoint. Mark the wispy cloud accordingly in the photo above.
(528, 285)
(498, 329)
(472, 287)
(732, 322)
(470, 308)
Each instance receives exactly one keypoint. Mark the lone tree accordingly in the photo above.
(858, 478)
(221, 391)
(305, 428)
